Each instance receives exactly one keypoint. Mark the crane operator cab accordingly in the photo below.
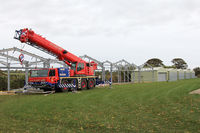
(82, 68)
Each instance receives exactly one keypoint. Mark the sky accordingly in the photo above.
(134, 30)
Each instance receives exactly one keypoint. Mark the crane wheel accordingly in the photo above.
(83, 84)
(90, 83)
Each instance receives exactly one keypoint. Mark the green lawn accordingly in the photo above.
(151, 107)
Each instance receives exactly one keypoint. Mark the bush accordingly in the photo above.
(17, 81)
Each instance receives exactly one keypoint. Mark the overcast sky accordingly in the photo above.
(134, 30)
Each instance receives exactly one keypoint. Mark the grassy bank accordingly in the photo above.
(151, 107)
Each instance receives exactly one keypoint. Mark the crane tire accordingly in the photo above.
(83, 84)
(90, 83)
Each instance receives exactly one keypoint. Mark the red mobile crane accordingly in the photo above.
(81, 73)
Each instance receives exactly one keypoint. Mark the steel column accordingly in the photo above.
(118, 75)
(124, 76)
(26, 73)
(111, 69)
(8, 76)
(139, 74)
(133, 78)
(153, 76)
(103, 74)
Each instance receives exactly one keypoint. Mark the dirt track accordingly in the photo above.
(195, 92)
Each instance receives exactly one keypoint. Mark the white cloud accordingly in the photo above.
(134, 29)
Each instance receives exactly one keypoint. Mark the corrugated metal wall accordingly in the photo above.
(193, 75)
(187, 75)
(172, 75)
(143, 76)
(181, 75)
(162, 75)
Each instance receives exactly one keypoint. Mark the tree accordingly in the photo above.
(155, 62)
(197, 71)
(179, 63)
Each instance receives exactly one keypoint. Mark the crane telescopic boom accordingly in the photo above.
(78, 66)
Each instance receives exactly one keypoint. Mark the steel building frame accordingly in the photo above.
(10, 62)
(121, 67)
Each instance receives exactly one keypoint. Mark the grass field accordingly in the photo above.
(151, 107)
